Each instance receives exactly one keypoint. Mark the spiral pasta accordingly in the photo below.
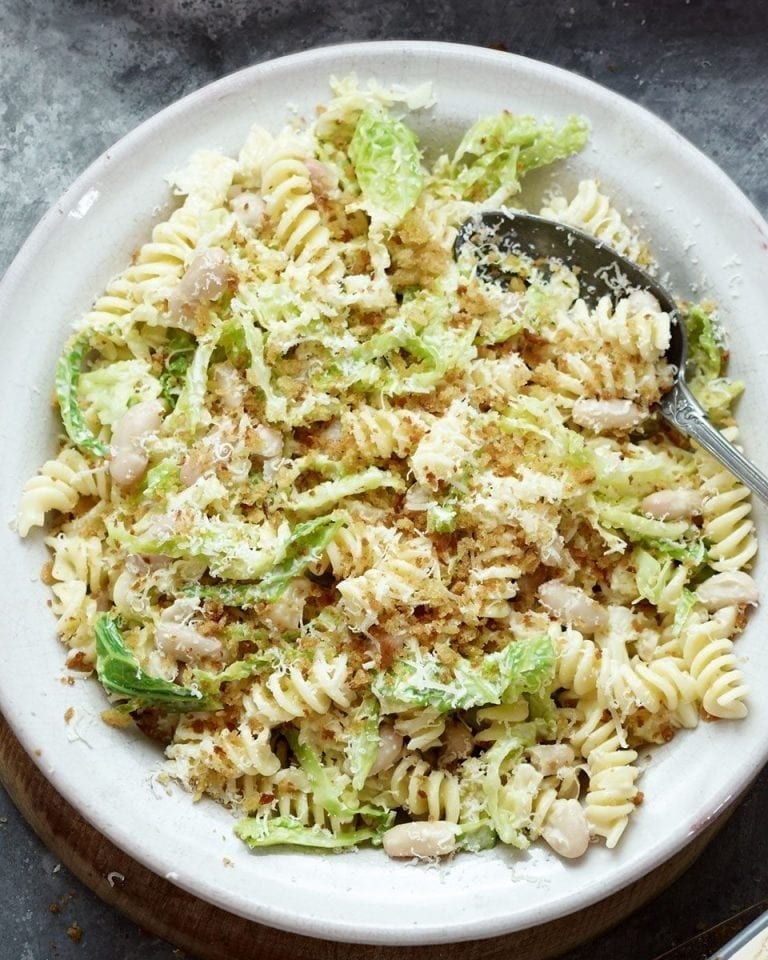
(407, 575)
(542, 806)
(159, 264)
(59, 486)
(488, 573)
(611, 792)
(728, 524)
(288, 794)
(290, 206)
(213, 759)
(592, 211)
(637, 332)
(384, 433)
(157, 268)
(421, 729)
(664, 683)
(578, 661)
(424, 791)
(446, 446)
(295, 692)
(611, 796)
(78, 558)
(708, 654)
(495, 382)
(357, 546)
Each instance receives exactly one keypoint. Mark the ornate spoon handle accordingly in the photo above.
(683, 411)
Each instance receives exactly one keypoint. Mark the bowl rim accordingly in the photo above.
(727, 790)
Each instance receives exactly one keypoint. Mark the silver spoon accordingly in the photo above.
(503, 232)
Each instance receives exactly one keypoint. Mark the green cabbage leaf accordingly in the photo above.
(706, 362)
(278, 831)
(497, 151)
(119, 673)
(418, 678)
(304, 547)
(387, 163)
(67, 381)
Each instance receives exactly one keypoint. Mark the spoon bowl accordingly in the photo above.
(604, 272)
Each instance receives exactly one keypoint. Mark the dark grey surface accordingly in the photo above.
(75, 76)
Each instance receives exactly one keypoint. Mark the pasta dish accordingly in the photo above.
(380, 548)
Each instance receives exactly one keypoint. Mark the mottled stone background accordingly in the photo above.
(75, 76)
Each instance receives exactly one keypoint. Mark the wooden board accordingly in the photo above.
(209, 933)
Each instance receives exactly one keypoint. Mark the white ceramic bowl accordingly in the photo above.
(709, 238)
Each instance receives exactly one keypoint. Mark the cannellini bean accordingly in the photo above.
(435, 838)
(572, 605)
(287, 612)
(181, 610)
(138, 422)
(320, 177)
(178, 638)
(734, 587)
(390, 748)
(267, 442)
(673, 504)
(229, 386)
(607, 415)
(127, 467)
(129, 458)
(207, 277)
(566, 829)
(548, 758)
(249, 209)
(458, 742)
(183, 642)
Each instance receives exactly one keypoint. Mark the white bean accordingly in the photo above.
(572, 605)
(249, 209)
(320, 177)
(266, 442)
(607, 415)
(566, 829)
(423, 839)
(129, 456)
(178, 638)
(548, 758)
(390, 748)
(287, 612)
(138, 422)
(673, 504)
(206, 278)
(181, 610)
(183, 642)
(734, 587)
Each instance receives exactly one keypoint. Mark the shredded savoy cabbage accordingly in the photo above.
(383, 550)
